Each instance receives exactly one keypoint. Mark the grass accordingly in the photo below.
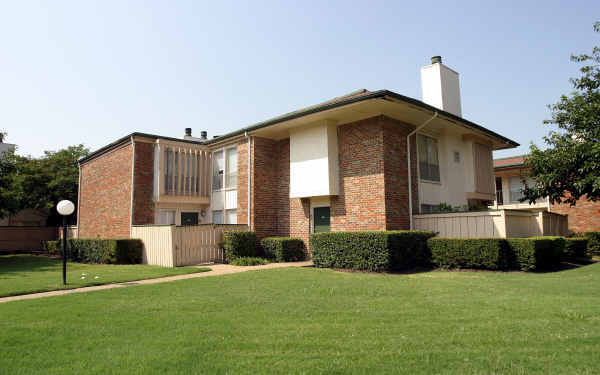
(315, 321)
(24, 274)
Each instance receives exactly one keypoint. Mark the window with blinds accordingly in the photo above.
(429, 165)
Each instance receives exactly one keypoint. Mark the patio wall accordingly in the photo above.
(173, 246)
(493, 224)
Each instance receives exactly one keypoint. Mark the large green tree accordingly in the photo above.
(40, 183)
(569, 168)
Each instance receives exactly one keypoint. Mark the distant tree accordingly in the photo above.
(570, 167)
(39, 183)
(3, 136)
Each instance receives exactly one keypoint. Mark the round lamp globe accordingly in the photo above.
(65, 207)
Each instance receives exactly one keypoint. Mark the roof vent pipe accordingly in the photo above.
(436, 59)
(215, 136)
(188, 132)
(203, 134)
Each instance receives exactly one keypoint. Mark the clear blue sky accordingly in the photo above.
(90, 72)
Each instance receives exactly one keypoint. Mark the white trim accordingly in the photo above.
(132, 184)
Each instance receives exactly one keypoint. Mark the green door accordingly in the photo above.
(189, 218)
(321, 219)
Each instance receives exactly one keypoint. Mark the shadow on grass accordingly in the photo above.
(17, 263)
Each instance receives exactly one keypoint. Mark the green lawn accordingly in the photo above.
(23, 274)
(305, 321)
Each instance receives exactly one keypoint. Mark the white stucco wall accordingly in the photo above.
(314, 167)
(455, 177)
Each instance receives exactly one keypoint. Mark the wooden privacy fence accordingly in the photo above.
(173, 246)
(494, 224)
(25, 238)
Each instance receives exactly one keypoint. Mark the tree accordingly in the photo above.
(570, 168)
(39, 183)
(2, 136)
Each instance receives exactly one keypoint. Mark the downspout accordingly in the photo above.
(410, 208)
(78, 198)
(132, 185)
(249, 145)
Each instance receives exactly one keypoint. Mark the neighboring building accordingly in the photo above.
(344, 164)
(510, 174)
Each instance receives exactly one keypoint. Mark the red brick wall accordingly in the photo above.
(583, 217)
(373, 182)
(396, 173)
(143, 181)
(264, 189)
(105, 201)
(360, 204)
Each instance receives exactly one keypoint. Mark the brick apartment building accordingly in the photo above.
(510, 173)
(344, 164)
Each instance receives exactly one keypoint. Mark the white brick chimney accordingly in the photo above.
(440, 86)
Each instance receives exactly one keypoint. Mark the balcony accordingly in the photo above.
(182, 173)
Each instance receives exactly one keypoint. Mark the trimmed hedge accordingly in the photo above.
(283, 249)
(370, 250)
(249, 261)
(576, 248)
(537, 252)
(238, 244)
(593, 242)
(99, 250)
(484, 253)
(526, 254)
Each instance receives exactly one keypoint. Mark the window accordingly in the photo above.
(231, 216)
(189, 218)
(168, 171)
(217, 217)
(516, 187)
(499, 197)
(231, 168)
(166, 217)
(430, 208)
(218, 170)
(429, 166)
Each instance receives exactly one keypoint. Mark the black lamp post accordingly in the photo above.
(65, 208)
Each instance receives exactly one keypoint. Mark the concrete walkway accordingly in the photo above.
(216, 269)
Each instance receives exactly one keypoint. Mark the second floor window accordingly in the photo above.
(429, 166)
(517, 186)
(231, 168)
(225, 169)
(218, 170)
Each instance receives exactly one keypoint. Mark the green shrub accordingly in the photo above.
(370, 250)
(249, 261)
(237, 244)
(537, 252)
(484, 253)
(575, 248)
(593, 242)
(99, 250)
(283, 249)
(526, 254)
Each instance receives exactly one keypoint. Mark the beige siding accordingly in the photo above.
(493, 224)
(172, 246)
(158, 243)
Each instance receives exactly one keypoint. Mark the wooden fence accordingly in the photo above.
(494, 224)
(72, 232)
(25, 238)
(173, 246)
